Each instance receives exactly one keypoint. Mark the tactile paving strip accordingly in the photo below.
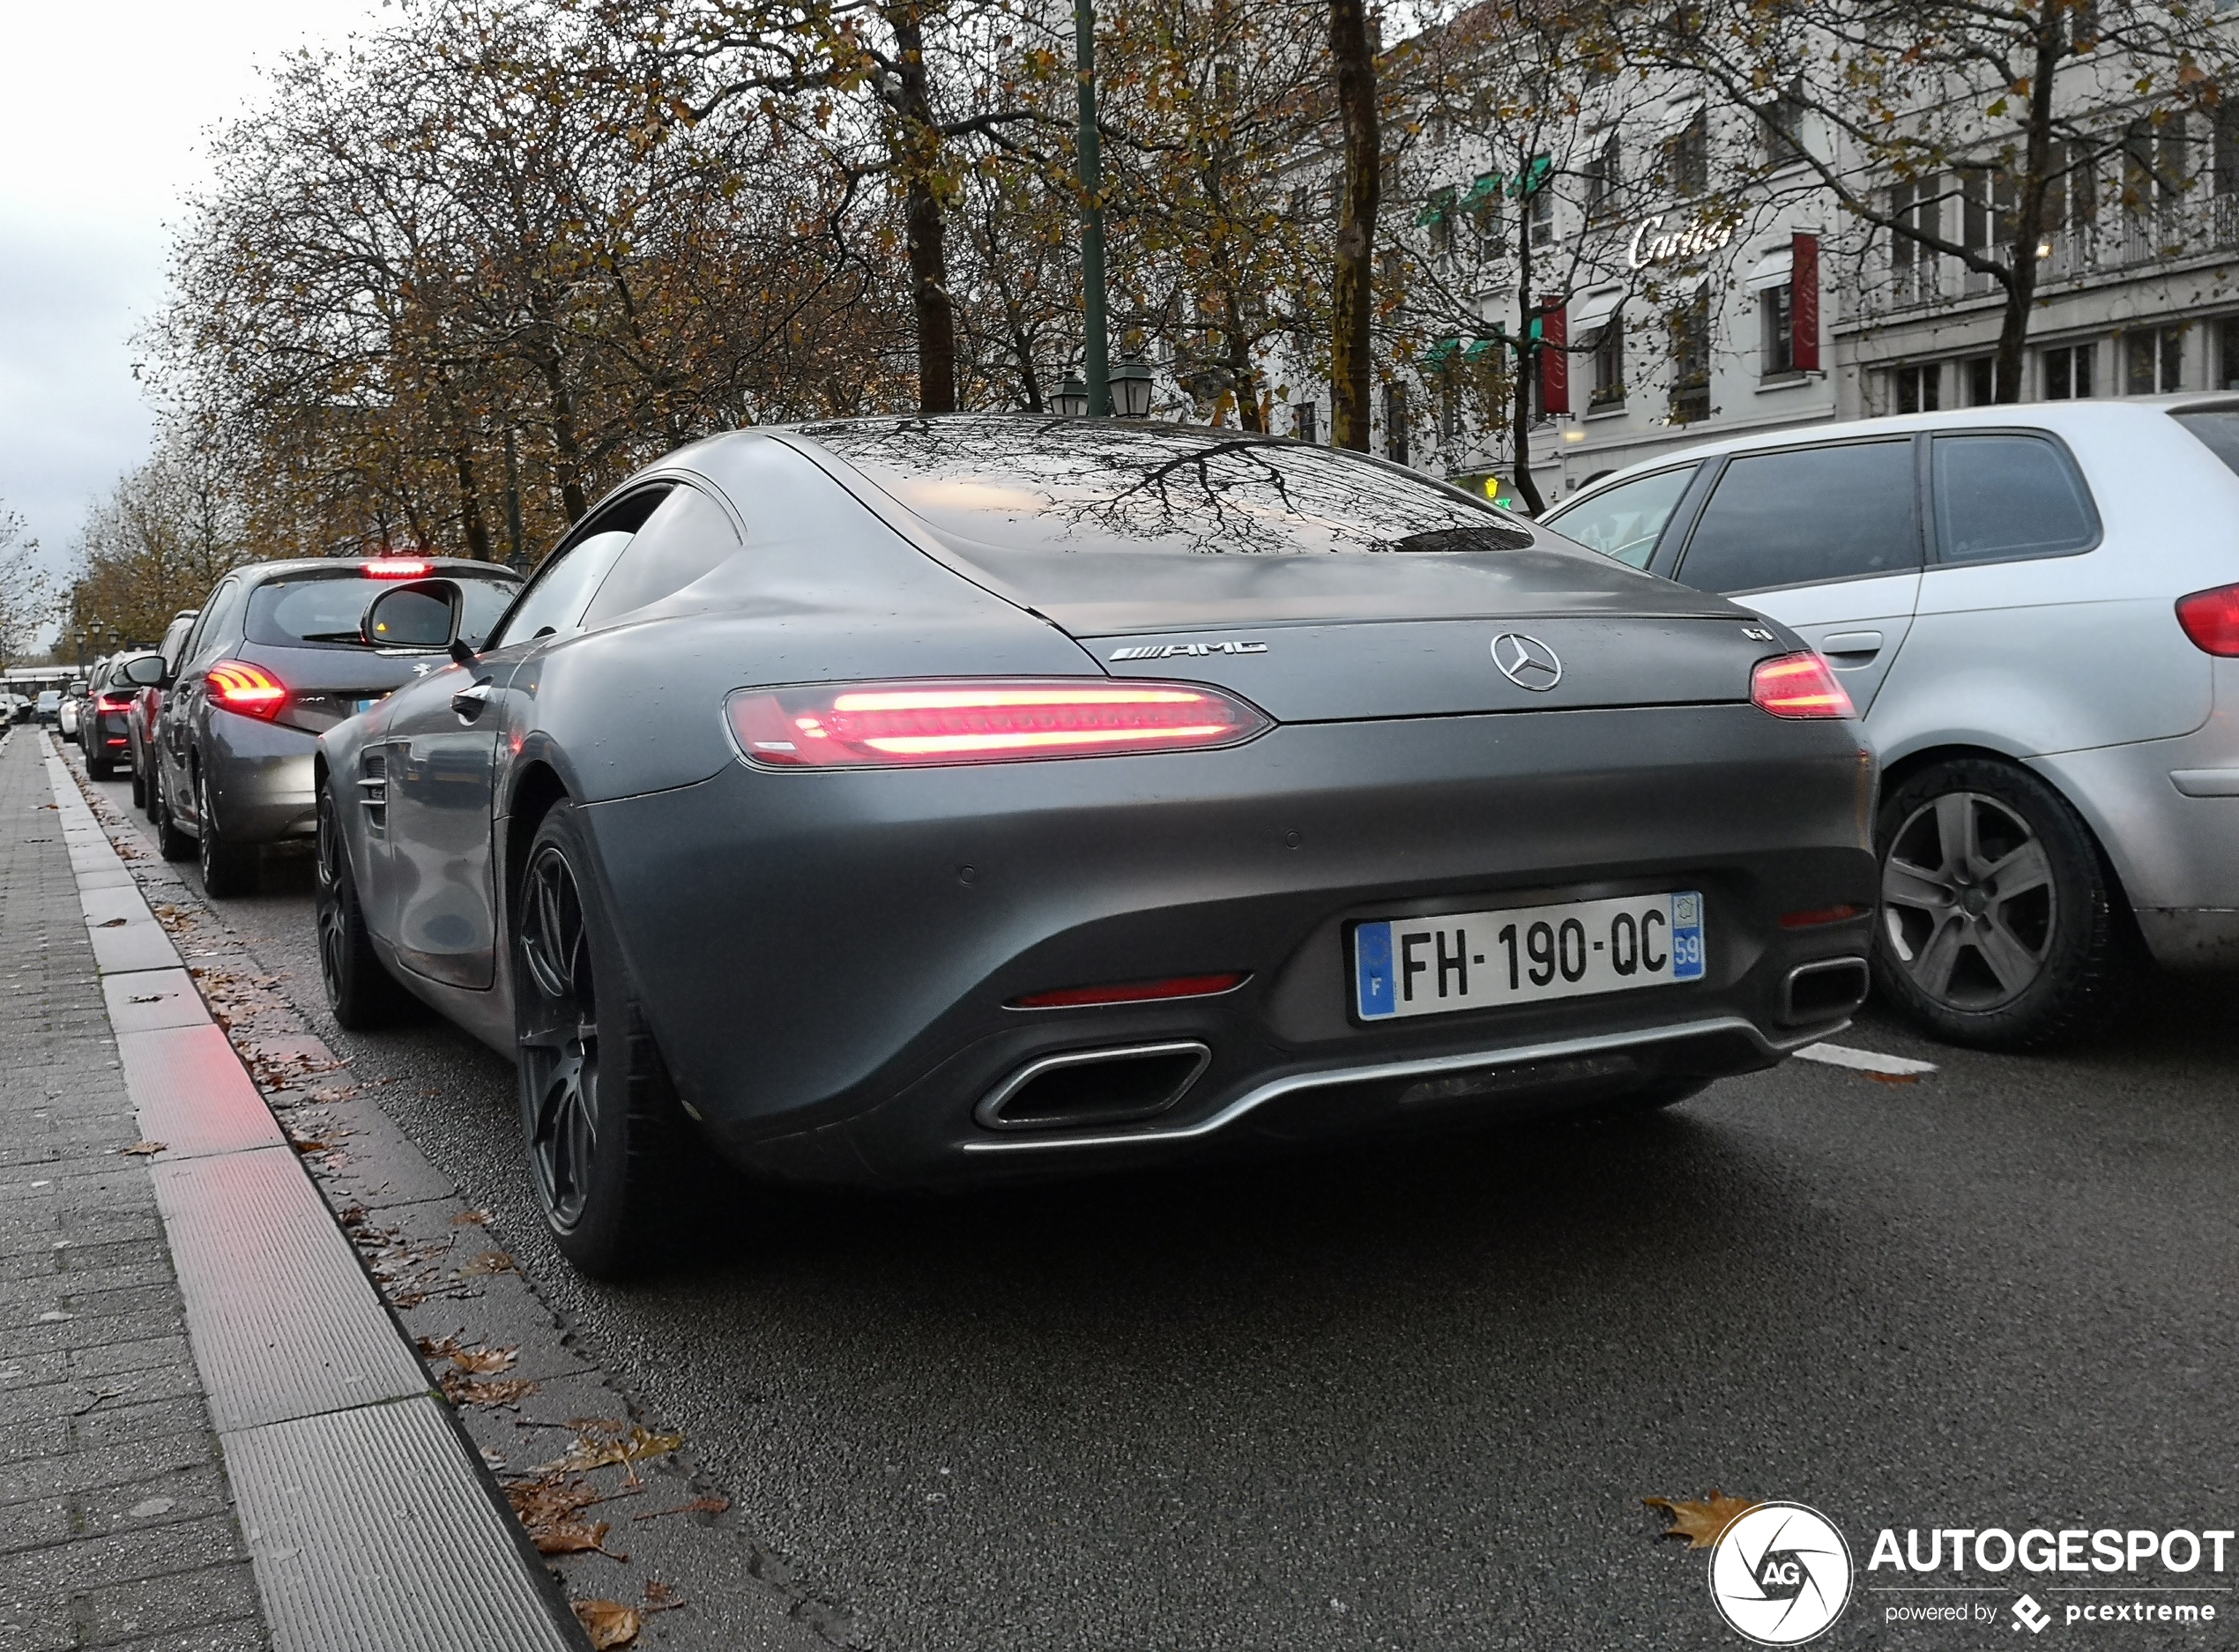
(283, 1321)
(372, 1493)
(191, 1093)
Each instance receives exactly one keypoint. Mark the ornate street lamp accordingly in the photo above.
(1072, 399)
(1130, 389)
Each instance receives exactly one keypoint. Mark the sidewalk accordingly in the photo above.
(282, 1474)
(117, 1525)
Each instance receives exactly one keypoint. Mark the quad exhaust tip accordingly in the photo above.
(1116, 1085)
(1824, 990)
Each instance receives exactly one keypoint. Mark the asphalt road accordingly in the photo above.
(1414, 1398)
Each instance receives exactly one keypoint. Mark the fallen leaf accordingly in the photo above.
(607, 1622)
(354, 1215)
(471, 1219)
(438, 1349)
(462, 1389)
(485, 1362)
(660, 1597)
(148, 998)
(114, 923)
(1699, 1523)
(306, 1144)
(626, 1449)
(141, 1150)
(488, 1263)
(1894, 1078)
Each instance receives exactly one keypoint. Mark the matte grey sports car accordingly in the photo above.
(909, 801)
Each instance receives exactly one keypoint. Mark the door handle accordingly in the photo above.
(1853, 647)
(468, 703)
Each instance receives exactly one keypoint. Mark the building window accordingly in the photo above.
(1775, 311)
(1485, 214)
(1538, 186)
(1396, 421)
(2228, 354)
(1982, 379)
(1604, 178)
(2156, 164)
(2153, 360)
(2067, 372)
(1439, 213)
(1449, 408)
(1917, 389)
(1689, 165)
(1690, 360)
(1609, 366)
(1304, 421)
(1784, 127)
(1918, 206)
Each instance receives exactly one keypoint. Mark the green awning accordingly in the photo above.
(1536, 176)
(1441, 352)
(1485, 188)
(1438, 206)
(1484, 350)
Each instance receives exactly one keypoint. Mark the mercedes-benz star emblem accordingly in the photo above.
(1526, 661)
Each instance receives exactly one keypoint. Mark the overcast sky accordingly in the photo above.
(102, 109)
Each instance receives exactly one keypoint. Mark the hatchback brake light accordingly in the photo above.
(2210, 619)
(1798, 685)
(237, 686)
(114, 701)
(914, 725)
(396, 568)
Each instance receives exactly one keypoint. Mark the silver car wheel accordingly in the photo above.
(1968, 900)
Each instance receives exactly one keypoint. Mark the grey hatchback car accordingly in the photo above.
(276, 658)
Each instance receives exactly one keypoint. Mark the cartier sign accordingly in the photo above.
(1648, 247)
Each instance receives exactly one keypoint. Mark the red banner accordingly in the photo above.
(1554, 360)
(1803, 301)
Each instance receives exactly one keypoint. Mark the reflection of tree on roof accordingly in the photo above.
(1119, 486)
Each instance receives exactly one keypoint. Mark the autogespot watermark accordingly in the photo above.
(1782, 1574)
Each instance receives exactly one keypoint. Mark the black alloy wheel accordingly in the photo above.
(99, 765)
(139, 785)
(228, 868)
(599, 1112)
(2001, 925)
(171, 842)
(359, 990)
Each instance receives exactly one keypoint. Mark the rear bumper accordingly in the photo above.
(826, 958)
(260, 777)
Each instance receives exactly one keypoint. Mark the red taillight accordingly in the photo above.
(114, 701)
(251, 690)
(1819, 915)
(396, 568)
(915, 724)
(1132, 991)
(2210, 619)
(1797, 685)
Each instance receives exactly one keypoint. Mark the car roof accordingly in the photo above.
(2071, 419)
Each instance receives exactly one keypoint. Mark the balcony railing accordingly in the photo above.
(2121, 240)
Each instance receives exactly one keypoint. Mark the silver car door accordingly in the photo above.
(1826, 539)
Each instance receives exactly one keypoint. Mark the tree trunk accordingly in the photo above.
(566, 447)
(922, 218)
(2021, 282)
(470, 506)
(1353, 63)
(1528, 348)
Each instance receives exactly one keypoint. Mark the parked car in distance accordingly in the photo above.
(106, 736)
(939, 800)
(47, 708)
(140, 721)
(273, 658)
(2036, 608)
(71, 710)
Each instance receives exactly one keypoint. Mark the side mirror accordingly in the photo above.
(422, 614)
(144, 671)
(78, 689)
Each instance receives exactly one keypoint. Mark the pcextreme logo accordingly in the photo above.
(1780, 1573)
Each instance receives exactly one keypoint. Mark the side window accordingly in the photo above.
(1625, 521)
(2004, 496)
(554, 603)
(688, 538)
(1806, 516)
(211, 629)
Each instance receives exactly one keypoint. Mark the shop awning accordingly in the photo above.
(1590, 312)
(1772, 269)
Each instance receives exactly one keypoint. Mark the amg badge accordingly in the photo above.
(1169, 651)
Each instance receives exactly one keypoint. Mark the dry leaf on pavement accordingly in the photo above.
(590, 1452)
(461, 1389)
(484, 1362)
(1699, 1523)
(488, 1263)
(475, 1218)
(141, 1150)
(608, 1622)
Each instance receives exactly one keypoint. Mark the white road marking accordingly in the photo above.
(1864, 1060)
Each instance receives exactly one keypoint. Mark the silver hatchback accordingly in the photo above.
(2036, 610)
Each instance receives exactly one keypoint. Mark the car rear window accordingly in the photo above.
(322, 610)
(2219, 428)
(1033, 484)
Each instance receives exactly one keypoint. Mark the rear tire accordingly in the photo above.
(2002, 925)
(170, 842)
(101, 768)
(228, 868)
(139, 787)
(359, 990)
(605, 1134)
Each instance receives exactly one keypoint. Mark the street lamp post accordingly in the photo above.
(1091, 179)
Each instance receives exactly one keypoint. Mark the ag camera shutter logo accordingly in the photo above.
(1781, 1574)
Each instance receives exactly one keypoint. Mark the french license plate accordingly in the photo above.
(358, 708)
(1451, 961)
